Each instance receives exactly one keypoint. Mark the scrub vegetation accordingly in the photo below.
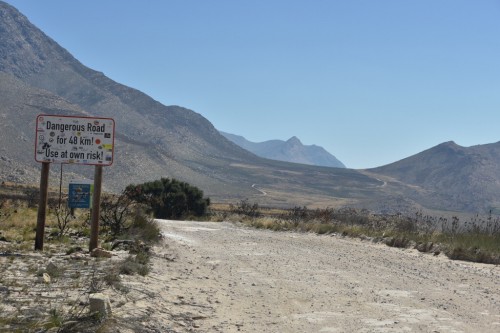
(473, 238)
(51, 289)
(127, 224)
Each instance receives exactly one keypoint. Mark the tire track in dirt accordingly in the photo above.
(234, 279)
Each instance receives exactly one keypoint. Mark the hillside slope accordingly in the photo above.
(37, 76)
(466, 178)
(152, 140)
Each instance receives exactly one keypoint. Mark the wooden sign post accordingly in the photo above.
(96, 207)
(73, 140)
(42, 207)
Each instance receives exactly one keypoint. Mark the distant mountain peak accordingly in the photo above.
(450, 144)
(38, 76)
(291, 150)
(294, 141)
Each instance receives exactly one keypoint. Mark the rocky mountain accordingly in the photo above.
(38, 76)
(466, 178)
(291, 150)
(151, 138)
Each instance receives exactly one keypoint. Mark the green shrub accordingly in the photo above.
(170, 198)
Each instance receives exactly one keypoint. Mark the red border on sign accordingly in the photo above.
(83, 117)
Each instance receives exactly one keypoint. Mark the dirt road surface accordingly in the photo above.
(219, 277)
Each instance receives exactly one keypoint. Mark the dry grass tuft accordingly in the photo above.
(475, 239)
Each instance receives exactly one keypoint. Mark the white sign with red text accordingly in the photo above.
(77, 140)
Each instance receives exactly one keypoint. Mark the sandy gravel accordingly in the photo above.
(219, 277)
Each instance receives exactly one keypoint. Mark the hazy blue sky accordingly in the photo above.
(371, 81)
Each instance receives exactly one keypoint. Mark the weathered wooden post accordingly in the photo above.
(42, 206)
(96, 208)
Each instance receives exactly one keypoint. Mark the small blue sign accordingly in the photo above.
(79, 195)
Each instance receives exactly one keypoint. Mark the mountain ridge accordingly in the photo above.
(291, 150)
(37, 76)
(450, 169)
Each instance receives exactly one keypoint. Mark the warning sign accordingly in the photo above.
(78, 140)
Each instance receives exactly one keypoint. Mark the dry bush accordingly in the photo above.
(476, 239)
(64, 216)
(244, 207)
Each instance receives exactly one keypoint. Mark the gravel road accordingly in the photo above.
(220, 277)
